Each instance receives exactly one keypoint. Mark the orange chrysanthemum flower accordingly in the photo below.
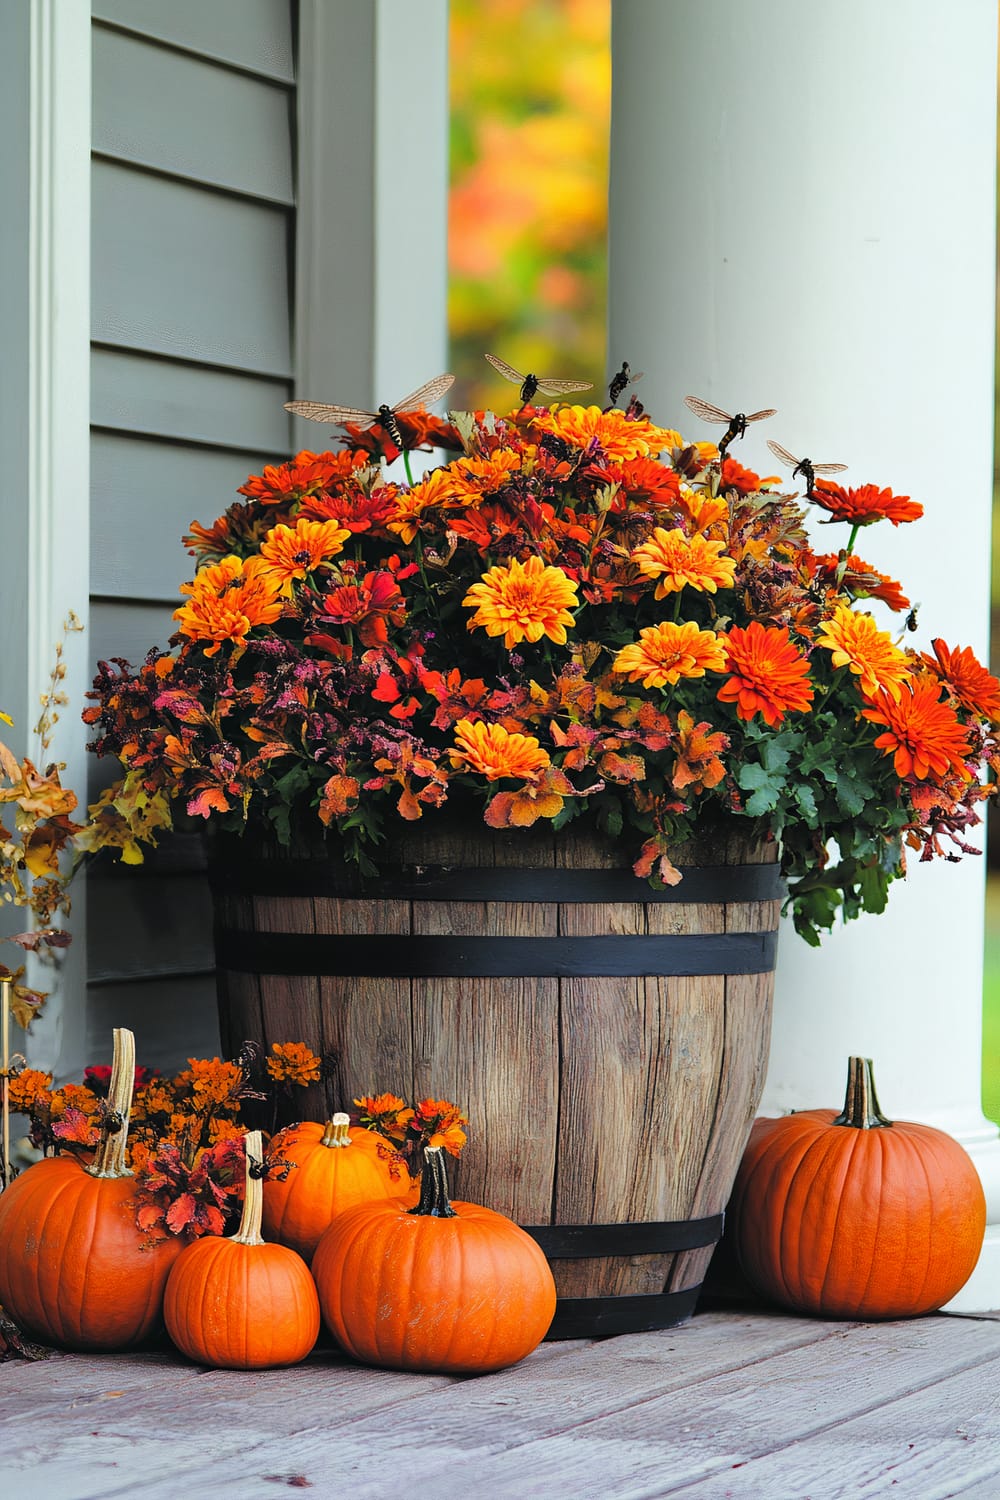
(486, 475)
(291, 552)
(441, 488)
(615, 436)
(523, 602)
(857, 643)
(496, 752)
(922, 732)
(770, 675)
(667, 652)
(25, 1087)
(863, 506)
(684, 562)
(227, 600)
(864, 581)
(702, 510)
(293, 1062)
(966, 679)
(306, 474)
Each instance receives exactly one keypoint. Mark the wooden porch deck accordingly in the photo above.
(733, 1404)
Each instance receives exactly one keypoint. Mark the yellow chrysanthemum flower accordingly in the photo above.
(619, 439)
(667, 652)
(523, 602)
(496, 752)
(290, 552)
(856, 642)
(684, 562)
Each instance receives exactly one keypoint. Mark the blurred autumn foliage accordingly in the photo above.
(530, 113)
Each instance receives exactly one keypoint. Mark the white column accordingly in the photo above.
(803, 216)
(44, 422)
(372, 258)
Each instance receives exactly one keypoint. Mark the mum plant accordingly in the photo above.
(579, 614)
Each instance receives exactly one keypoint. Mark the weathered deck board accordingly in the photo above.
(752, 1406)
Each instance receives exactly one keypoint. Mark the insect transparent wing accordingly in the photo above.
(426, 394)
(560, 387)
(758, 416)
(506, 370)
(783, 454)
(829, 468)
(316, 411)
(706, 410)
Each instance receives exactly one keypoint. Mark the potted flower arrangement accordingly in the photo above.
(579, 621)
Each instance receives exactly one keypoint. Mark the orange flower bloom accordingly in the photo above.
(922, 734)
(25, 1087)
(441, 488)
(306, 474)
(743, 481)
(684, 562)
(864, 581)
(291, 552)
(615, 436)
(856, 642)
(864, 505)
(227, 600)
(966, 679)
(293, 1062)
(644, 481)
(485, 475)
(523, 602)
(495, 752)
(770, 675)
(542, 797)
(667, 652)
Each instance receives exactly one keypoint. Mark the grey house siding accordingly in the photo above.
(193, 254)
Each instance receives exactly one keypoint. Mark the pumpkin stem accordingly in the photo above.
(861, 1109)
(109, 1159)
(434, 1202)
(253, 1193)
(336, 1132)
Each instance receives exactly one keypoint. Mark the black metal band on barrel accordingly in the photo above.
(586, 1241)
(389, 955)
(304, 877)
(603, 1317)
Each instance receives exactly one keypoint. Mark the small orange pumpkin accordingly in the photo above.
(448, 1287)
(75, 1270)
(331, 1167)
(239, 1303)
(854, 1215)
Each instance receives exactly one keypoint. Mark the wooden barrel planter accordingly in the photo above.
(608, 1041)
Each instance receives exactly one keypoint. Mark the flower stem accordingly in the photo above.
(406, 466)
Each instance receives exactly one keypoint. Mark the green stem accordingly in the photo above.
(406, 466)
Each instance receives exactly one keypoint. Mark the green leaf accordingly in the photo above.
(852, 793)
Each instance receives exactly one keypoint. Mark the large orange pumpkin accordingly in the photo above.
(449, 1287)
(331, 1167)
(854, 1215)
(74, 1268)
(239, 1303)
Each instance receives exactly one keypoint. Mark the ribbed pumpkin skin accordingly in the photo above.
(75, 1270)
(847, 1223)
(241, 1307)
(324, 1181)
(463, 1295)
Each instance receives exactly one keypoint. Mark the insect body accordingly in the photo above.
(803, 466)
(622, 381)
(737, 425)
(340, 416)
(531, 383)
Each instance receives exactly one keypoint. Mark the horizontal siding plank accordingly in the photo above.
(158, 925)
(183, 271)
(232, 132)
(173, 1019)
(251, 34)
(187, 402)
(144, 495)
